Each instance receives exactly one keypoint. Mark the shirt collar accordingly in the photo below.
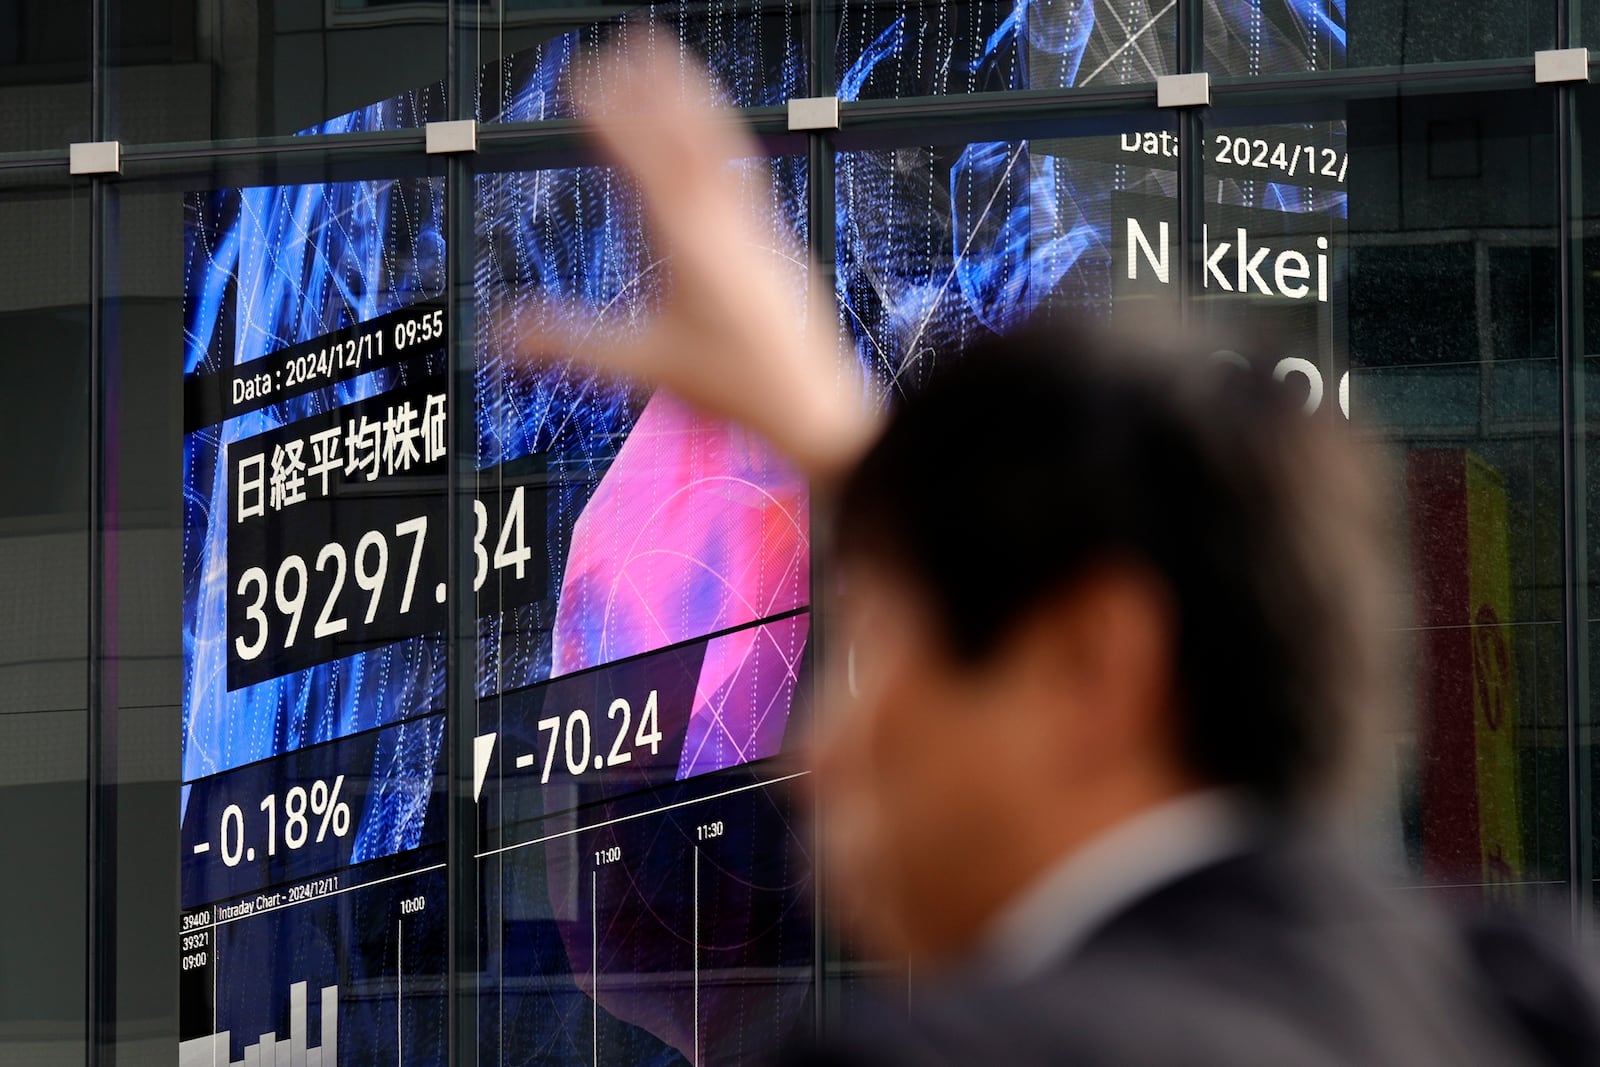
(1054, 915)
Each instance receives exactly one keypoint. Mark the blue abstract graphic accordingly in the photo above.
(932, 49)
(938, 246)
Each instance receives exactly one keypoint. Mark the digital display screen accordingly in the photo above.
(641, 579)
(641, 575)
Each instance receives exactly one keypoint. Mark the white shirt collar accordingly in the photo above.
(1054, 916)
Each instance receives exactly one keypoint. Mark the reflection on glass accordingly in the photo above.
(1246, 38)
(1404, 259)
(190, 71)
(647, 881)
(44, 75)
(44, 544)
(1453, 348)
(1385, 33)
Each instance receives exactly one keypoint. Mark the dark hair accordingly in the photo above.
(1031, 458)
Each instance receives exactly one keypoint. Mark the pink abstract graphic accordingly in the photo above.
(696, 528)
(742, 702)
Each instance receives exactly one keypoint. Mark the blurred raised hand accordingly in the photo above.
(737, 334)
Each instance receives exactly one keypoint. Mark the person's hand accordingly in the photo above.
(744, 330)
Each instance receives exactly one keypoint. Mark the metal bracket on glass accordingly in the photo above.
(1561, 65)
(446, 138)
(814, 113)
(95, 157)
(1183, 90)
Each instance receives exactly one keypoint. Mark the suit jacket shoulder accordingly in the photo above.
(1287, 954)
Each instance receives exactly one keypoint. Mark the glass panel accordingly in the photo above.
(756, 49)
(1586, 108)
(1586, 16)
(142, 312)
(889, 50)
(44, 670)
(1254, 37)
(647, 892)
(192, 71)
(938, 246)
(1443, 290)
(314, 448)
(44, 75)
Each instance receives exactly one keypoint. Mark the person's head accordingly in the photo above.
(1083, 572)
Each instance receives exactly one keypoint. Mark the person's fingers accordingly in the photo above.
(565, 334)
(741, 329)
(656, 115)
(546, 330)
(656, 94)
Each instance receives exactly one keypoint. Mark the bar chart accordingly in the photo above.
(350, 976)
(270, 1050)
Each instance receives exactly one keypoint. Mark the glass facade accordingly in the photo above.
(266, 786)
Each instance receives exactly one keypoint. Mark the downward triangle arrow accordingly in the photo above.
(482, 749)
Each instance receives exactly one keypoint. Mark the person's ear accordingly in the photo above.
(1106, 643)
